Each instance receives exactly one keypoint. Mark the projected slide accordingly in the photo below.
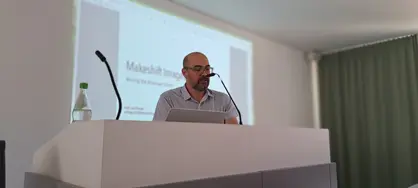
(145, 48)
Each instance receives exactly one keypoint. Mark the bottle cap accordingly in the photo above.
(84, 85)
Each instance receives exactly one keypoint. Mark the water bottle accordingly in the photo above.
(82, 110)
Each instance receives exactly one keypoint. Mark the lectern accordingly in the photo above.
(127, 154)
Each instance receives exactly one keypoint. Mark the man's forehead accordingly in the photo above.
(198, 59)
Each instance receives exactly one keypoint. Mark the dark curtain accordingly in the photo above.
(369, 103)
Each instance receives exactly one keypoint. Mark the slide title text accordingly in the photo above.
(152, 69)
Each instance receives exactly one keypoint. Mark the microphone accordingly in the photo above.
(210, 75)
(229, 94)
(103, 59)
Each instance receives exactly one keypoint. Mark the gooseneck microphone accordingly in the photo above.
(229, 94)
(103, 59)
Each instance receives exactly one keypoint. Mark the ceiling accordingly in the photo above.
(315, 25)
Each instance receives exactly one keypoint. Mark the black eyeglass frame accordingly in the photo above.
(199, 68)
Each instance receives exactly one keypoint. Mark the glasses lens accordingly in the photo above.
(199, 68)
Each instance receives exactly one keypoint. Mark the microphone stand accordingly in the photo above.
(230, 96)
(115, 88)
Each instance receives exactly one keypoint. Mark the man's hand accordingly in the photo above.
(231, 121)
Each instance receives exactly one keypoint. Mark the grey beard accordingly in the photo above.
(199, 87)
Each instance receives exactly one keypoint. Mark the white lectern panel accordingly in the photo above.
(127, 154)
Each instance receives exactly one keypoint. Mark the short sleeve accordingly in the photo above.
(162, 109)
(230, 108)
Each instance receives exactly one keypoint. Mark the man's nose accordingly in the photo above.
(204, 73)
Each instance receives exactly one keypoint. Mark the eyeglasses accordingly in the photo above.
(200, 68)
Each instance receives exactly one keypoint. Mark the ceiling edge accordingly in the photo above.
(332, 51)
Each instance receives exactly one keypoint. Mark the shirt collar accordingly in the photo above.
(186, 94)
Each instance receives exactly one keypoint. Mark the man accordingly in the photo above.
(195, 93)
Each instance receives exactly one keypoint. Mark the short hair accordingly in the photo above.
(186, 58)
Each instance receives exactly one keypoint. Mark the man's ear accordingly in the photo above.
(184, 72)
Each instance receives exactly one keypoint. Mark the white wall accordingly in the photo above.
(36, 74)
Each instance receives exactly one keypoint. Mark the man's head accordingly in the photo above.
(195, 68)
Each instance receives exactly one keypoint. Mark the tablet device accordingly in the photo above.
(195, 116)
